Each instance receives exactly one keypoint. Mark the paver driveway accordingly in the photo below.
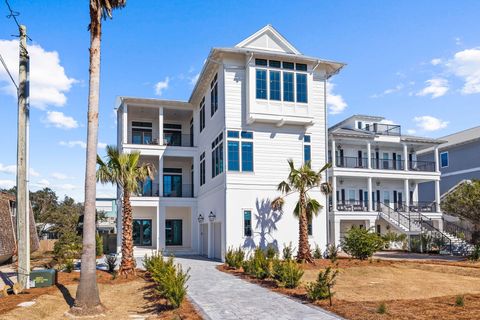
(223, 296)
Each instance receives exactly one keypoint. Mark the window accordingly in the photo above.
(247, 223)
(261, 62)
(301, 67)
(288, 65)
(141, 132)
(261, 84)
(275, 85)
(172, 182)
(233, 156)
(386, 197)
(367, 127)
(274, 63)
(202, 114)
(202, 169)
(213, 96)
(359, 124)
(301, 87)
(217, 155)
(307, 154)
(142, 232)
(173, 232)
(240, 150)
(444, 159)
(351, 196)
(172, 134)
(288, 87)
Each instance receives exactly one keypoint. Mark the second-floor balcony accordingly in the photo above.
(384, 164)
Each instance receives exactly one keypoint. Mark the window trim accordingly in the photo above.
(448, 159)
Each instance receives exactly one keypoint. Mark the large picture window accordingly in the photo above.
(240, 150)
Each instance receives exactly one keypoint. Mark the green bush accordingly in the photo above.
(287, 273)
(475, 255)
(258, 265)
(69, 265)
(271, 252)
(98, 245)
(172, 284)
(459, 301)
(382, 308)
(392, 237)
(67, 247)
(317, 252)
(360, 243)
(332, 252)
(322, 288)
(287, 252)
(234, 258)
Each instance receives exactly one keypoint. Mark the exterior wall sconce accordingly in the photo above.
(200, 218)
(378, 183)
(211, 216)
(341, 181)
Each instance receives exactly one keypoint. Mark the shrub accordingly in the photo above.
(271, 252)
(172, 284)
(360, 243)
(317, 252)
(258, 265)
(234, 258)
(321, 289)
(98, 245)
(332, 252)
(111, 262)
(382, 308)
(69, 265)
(67, 247)
(459, 301)
(475, 255)
(287, 273)
(287, 252)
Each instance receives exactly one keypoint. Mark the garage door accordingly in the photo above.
(204, 239)
(217, 240)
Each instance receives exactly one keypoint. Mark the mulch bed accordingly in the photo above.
(418, 309)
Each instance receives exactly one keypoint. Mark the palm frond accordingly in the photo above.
(277, 203)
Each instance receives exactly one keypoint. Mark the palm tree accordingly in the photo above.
(124, 170)
(301, 181)
(87, 298)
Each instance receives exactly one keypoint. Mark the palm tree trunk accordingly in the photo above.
(127, 265)
(304, 254)
(87, 300)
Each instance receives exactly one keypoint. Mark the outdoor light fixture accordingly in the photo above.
(341, 181)
(378, 182)
(211, 216)
(200, 218)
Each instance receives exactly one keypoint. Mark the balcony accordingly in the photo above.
(384, 129)
(352, 162)
(384, 164)
(149, 188)
(177, 190)
(177, 139)
(388, 164)
(428, 166)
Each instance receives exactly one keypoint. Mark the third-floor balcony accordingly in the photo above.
(384, 164)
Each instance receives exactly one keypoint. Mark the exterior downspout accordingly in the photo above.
(327, 208)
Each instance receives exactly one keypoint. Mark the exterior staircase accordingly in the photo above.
(416, 223)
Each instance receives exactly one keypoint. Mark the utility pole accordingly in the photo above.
(23, 204)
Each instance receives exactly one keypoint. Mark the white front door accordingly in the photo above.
(204, 239)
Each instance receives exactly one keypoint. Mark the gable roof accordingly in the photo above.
(458, 138)
(268, 38)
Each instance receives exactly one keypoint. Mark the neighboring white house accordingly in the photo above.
(221, 154)
(375, 176)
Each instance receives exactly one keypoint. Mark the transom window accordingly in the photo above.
(240, 151)
(217, 155)
(293, 75)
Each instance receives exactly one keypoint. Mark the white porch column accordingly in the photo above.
(437, 162)
(161, 228)
(369, 155)
(160, 126)
(160, 176)
(336, 232)
(405, 156)
(125, 124)
(370, 200)
(334, 193)
(334, 160)
(437, 195)
(406, 190)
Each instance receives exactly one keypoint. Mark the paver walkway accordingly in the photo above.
(224, 297)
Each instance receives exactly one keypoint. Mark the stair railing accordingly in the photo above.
(428, 228)
(457, 230)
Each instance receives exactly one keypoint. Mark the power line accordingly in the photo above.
(8, 71)
(14, 14)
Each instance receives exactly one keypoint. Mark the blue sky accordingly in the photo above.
(415, 62)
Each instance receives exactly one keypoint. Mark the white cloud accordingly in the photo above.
(12, 169)
(48, 81)
(7, 184)
(458, 41)
(59, 176)
(429, 123)
(161, 86)
(60, 120)
(335, 102)
(436, 87)
(74, 143)
(42, 183)
(411, 131)
(101, 145)
(397, 88)
(466, 65)
(436, 61)
(66, 186)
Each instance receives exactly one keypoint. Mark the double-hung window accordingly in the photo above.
(307, 152)
(247, 223)
(240, 151)
(202, 114)
(217, 155)
(202, 169)
(213, 96)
